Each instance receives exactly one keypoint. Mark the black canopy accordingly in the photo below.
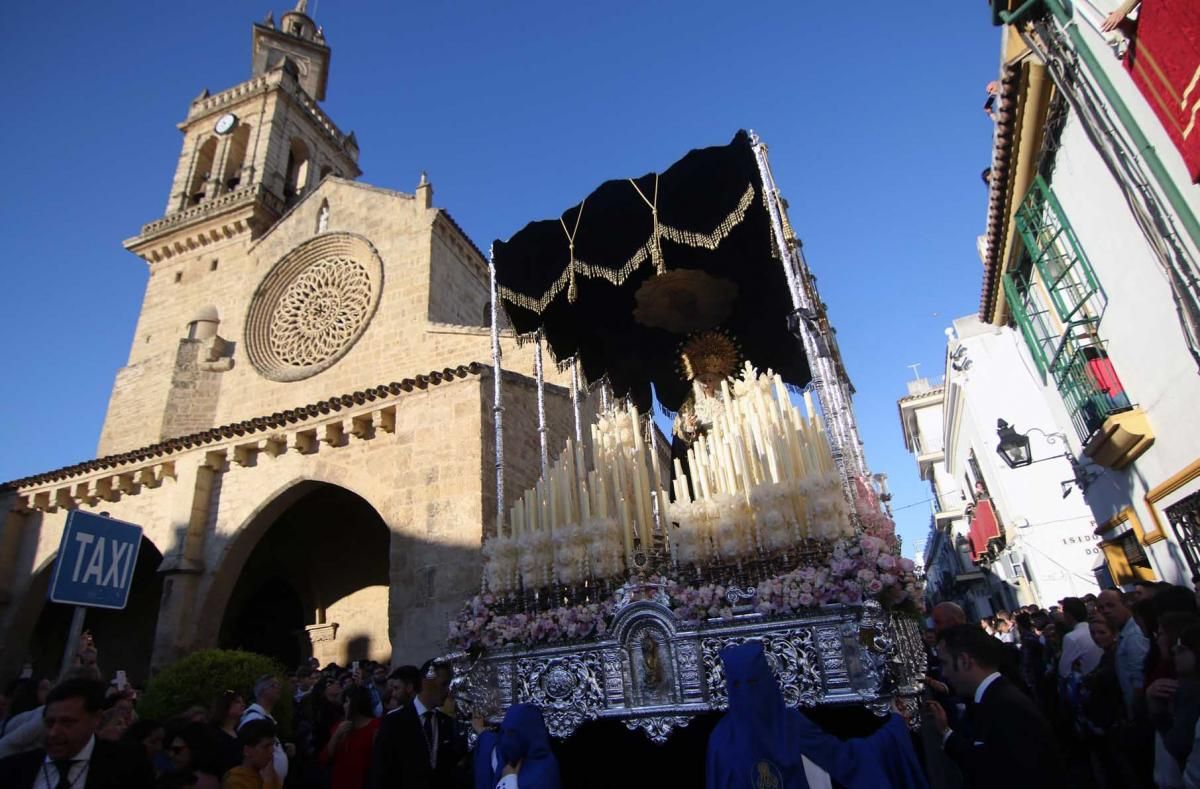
(624, 276)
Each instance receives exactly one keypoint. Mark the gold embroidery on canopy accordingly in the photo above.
(651, 250)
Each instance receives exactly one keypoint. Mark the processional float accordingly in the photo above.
(612, 585)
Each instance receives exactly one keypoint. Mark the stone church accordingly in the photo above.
(304, 427)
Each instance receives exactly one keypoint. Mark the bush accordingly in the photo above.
(200, 677)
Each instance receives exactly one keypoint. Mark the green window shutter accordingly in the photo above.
(1016, 298)
(1058, 257)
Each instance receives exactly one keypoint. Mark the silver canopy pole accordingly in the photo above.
(541, 400)
(575, 400)
(497, 397)
(836, 409)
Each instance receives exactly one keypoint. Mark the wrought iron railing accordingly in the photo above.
(1184, 517)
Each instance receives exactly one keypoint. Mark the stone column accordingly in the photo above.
(183, 565)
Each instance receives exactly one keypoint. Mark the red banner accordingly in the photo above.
(984, 528)
(1164, 61)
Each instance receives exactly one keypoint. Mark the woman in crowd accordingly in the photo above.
(347, 754)
(1174, 702)
(1099, 712)
(150, 735)
(193, 751)
(223, 721)
(114, 724)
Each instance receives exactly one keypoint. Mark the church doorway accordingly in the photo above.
(124, 639)
(316, 582)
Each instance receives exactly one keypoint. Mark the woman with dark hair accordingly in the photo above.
(326, 711)
(149, 734)
(227, 709)
(1174, 702)
(319, 712)
(351, 741)
(192, 750)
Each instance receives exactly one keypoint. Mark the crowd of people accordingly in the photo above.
(353, 727)
(1098, 692)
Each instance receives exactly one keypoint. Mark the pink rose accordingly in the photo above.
(906, 565)
(806, 600)
(886, 562)
(874, 587)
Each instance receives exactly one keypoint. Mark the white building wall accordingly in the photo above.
(1052, 534)
(1145, 342)
(929, 428)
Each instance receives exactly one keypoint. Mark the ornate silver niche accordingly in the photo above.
(655, 675)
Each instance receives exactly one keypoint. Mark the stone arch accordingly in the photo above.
(235, 158)
(202, 170)
(124, 638)
(296, 176)
(307, 573)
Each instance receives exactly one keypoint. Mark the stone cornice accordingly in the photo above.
(225, 216)
(358, 414)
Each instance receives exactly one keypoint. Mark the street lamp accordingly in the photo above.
(1013, 446)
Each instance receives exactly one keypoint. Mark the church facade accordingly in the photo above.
(304, 427)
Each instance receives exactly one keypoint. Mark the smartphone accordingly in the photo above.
(27, 671)
(122, 682)
(354, 667)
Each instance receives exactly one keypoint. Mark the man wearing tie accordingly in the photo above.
(1009, 735)
(73, 758)
(418, 745)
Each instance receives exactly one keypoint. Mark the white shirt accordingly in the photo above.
(979, 691)
(279, 757)
(47, 777)
(983, 686)
(421, 709)
(1078, 645)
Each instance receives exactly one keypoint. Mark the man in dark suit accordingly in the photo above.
(1009, 738)
(73, 758)
(418, 745)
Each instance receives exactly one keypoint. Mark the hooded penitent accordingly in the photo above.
(761, 743)
(522, 740)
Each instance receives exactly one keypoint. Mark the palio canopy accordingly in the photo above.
(622, 278)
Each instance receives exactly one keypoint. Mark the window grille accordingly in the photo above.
(1056, 302)
(1184, 517)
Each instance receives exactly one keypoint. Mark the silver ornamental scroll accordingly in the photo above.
(655, 674)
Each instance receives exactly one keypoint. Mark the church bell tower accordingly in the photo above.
(252, 151)
(249, 154)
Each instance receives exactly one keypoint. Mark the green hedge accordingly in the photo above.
(200, 677)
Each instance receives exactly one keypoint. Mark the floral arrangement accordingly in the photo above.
(481, 625)
(856, 569)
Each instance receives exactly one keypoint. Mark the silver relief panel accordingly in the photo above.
(655, 676)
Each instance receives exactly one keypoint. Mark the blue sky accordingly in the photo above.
(516, 110)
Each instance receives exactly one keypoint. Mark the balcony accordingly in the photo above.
(984, 529)
(1114, 432)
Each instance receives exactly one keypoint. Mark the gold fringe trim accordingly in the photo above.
(648, 251)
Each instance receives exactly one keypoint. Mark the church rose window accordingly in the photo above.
(312, 306)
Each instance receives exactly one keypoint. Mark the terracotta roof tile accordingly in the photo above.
(258, 424)
(1002, 149)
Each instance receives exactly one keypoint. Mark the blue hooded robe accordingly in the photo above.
(523, 738)
(760, 743)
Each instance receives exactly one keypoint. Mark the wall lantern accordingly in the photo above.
(1013, 446)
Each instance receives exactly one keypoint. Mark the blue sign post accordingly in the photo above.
(94, 569)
